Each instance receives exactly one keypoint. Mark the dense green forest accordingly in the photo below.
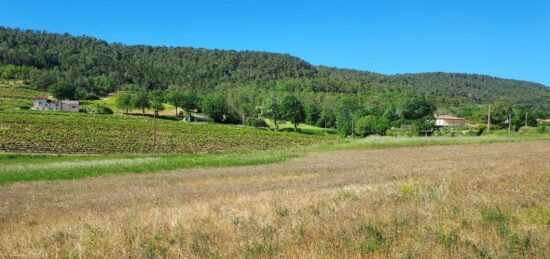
(251, 84)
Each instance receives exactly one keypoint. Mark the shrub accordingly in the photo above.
(91, 96)
(457, 131)
(256, 122)
(102, 109)
(364, 125)
(24, 107)
(371, 125)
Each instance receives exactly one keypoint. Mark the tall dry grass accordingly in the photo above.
(489, 200)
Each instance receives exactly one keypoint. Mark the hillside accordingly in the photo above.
(97, 68)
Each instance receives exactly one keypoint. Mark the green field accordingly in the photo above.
(55, 132)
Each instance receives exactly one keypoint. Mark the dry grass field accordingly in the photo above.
(483, 200)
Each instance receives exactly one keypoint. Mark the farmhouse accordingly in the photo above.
(447, 120)
(45, 104)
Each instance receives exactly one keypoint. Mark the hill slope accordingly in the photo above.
(97, 67)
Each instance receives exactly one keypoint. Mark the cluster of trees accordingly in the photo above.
(144, 100)
(95, 68)
(215, 106)
(350, 115)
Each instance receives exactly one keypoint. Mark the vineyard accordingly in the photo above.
(50, 132)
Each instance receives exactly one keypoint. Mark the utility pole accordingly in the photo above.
(526, 118)
(352, 127)
(509, 119)
(489, 119)
(154, 130)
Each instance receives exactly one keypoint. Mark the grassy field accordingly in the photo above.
(473, 200)
(32, 167)
(58, 132)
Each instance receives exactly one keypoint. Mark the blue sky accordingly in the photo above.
(504, 38)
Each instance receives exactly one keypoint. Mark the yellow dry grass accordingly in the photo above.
(490, 200)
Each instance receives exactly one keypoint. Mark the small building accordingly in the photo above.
(449, 121)
(43, 103)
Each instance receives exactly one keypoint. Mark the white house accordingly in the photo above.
(45, 104)
(447, 120)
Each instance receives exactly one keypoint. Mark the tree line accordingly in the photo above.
(350, 115)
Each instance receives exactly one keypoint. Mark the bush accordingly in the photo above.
(102, 109)
(457, 131)
(364, 126)
(371, 125)
(91, 96)
(24, 107)
(256, 122)
(232, 117)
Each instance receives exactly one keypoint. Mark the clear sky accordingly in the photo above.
(504, 38)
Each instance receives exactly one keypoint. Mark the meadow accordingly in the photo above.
(484, 200)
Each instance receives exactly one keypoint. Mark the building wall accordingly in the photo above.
(70, 106)
(67, 106)
(442, 122)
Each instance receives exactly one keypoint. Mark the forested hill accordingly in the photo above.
(96, 68)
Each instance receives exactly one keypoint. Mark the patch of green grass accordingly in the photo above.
(494, 215)
(447, 238)
(54, 167)
(374, 239)
(302, 128)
